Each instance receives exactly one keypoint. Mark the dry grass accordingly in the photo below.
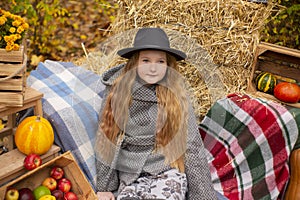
(219, 37)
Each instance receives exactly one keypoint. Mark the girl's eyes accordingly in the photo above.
(147, 60)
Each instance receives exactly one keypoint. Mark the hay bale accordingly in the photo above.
(225, 32)
(227, 29)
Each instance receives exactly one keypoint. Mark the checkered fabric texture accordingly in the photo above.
(249, 141)
(71, 102)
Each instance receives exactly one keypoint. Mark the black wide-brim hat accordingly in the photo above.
(151, 39)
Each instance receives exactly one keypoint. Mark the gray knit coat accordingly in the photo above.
(134, 153)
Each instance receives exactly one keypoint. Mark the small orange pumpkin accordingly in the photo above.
(34, 135)
(293, 189)
(287, 92)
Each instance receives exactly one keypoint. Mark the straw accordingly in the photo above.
(224, 33)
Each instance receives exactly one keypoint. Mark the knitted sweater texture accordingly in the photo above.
(134, 154)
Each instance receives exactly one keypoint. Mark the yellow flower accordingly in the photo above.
(14, 37)
(16, 47)
(20, 29)
(18, 36)
(12, 29)
(25, 26)
(9, 47)
(16, 23)
(6, 38)
(2, 20)
(10, 38)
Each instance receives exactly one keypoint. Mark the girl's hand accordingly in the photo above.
(105, 196)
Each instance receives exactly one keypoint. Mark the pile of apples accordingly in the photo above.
(59, 185)
(54, 187)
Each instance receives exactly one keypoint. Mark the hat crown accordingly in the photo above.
(151, 37)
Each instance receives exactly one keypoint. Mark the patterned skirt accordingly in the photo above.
(169, 185)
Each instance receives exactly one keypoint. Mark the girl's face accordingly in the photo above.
(152, 65)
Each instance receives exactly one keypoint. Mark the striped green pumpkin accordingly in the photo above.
(266, 82)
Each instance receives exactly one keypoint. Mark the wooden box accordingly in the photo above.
(278, 60)
(11, 164)
(12, 76)
(34, 178)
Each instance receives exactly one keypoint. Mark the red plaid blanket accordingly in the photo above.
(249, 141)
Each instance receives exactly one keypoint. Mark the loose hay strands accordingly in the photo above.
(227, 29)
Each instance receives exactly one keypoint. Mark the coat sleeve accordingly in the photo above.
(196, 165)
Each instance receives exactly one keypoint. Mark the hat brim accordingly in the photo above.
(128, 52)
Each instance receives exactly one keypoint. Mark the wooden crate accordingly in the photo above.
(278, 60)
(34, 178)
(11, 164)
(12, 76)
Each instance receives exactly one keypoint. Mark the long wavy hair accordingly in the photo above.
(171, 135)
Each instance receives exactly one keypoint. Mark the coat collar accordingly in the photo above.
(140, 90)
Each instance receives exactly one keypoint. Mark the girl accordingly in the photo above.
(148, 144)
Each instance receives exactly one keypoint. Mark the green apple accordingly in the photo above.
(40, 191)
(12, 194)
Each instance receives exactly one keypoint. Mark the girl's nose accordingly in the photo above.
(152, 67)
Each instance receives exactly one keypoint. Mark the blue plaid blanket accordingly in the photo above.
(71, 102)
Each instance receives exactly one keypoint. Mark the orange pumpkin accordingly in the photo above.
(287, 92)
(293, 189)
(34, 135)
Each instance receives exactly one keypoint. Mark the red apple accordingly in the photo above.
(50, 183)
(32, 161)
(70, 196)
(64, 185)
(12, 194)
(57, 172)
(26, 194)
(59, 195)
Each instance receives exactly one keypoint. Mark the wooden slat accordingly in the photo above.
(281, 57)
(7, 69)
(282, 70)
(12, 98)
(271, 97)
(16, 84)
(12, 56)
(264, 46)
(32, 98)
